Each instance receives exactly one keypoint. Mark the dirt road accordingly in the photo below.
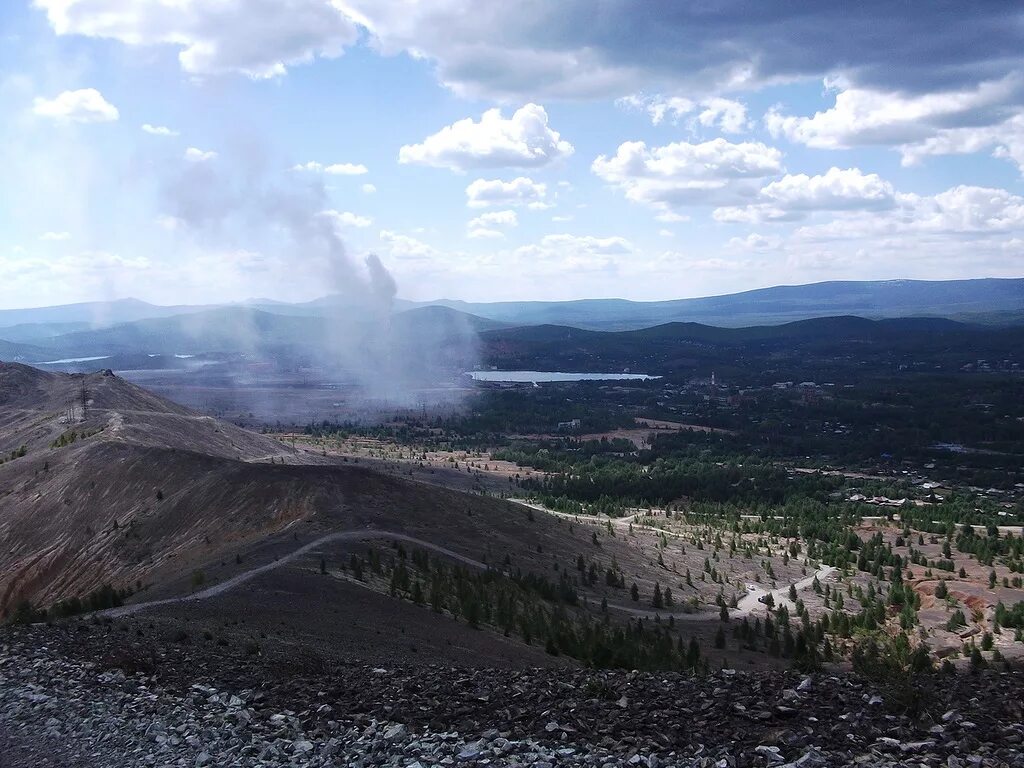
(241, 578)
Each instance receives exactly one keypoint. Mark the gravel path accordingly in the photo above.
(241, 578)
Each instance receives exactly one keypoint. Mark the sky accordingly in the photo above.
(198, 151)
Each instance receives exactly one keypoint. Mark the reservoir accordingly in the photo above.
(536, 377)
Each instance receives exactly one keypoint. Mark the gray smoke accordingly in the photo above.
(386, 360)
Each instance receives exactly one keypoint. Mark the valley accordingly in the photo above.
(828, 506)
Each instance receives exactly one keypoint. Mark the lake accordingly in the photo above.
(536, 377)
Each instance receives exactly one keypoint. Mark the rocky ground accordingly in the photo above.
(74, 697)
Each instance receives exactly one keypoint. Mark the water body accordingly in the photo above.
(72, 360)
(537, 377)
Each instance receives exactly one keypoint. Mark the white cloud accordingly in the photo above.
(486, 224)
(407, 248)
(368, 189)
(658, 107)
(751, 214)
(194, 155)
(55, 236)
(714, 172)
(794, 196)
(666, 233)
(754, 242)
(836, 189)
(985, 116)
(728, 115)
(608, 246)
(960, 232)
(85, 105)
(495, 218)
(334, 169)
(481, 233)
(965, 210)
(943, 222)
(567, 254)
(158, 130)
(521, 141)
(864, 116)
(483, 193)
(1005, 140)
(258, 38)
(68, 277)
(342, 219)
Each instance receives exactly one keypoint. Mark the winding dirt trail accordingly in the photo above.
(752, 600)
(241, 578)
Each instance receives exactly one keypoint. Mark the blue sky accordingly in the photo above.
(195, 151)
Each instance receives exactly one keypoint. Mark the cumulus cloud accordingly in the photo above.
(1004, 140)
(568, 254)
(368, 189)
(837, 189)
(795, 195)
(965, 209)
(521, 191)
(658, 107)
(710, 173)
(258, 38)
(862, 116)
(727, 115)
(334, 169)
(483, 233)
(195, 155)
(495, 218)
(67, 277)
(85, 105)
(942, 222)
(345, 219)
(404, 247)
(55, 236)
(522, 141)
(987, 115)
(486, 225)
(754, 242)
(158, 130)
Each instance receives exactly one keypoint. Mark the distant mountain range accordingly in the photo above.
(984, 301)
(990, 301)
(132, 334)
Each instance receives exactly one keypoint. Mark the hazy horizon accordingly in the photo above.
(261, 300)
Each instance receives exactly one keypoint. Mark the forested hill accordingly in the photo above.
(681, 347)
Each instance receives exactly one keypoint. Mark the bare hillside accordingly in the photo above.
(136, 492)
(103, 482)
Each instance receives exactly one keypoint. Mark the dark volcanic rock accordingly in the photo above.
(197, 706)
